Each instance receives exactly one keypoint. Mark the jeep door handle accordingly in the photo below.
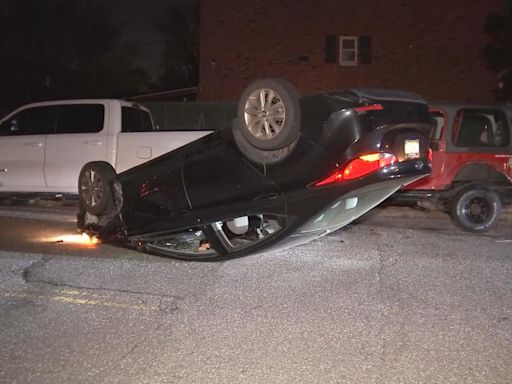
(36, 144)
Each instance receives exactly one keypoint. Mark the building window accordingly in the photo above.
(348, 50)
(354, 50)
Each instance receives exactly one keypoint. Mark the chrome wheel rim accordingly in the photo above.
(91, 188)
(265, 114)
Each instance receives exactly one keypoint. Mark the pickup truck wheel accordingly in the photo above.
(269, 114)
(94, 187)
(476, 209)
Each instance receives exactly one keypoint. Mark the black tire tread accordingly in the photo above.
(463, 196)
(260, 156)
(291, 129)
(108, 174)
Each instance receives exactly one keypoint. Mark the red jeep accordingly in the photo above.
(471, 164)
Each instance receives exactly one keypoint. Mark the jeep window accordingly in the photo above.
(30, 121)
(481, 128)
(439, 121)
(135, 120)
(81, 118)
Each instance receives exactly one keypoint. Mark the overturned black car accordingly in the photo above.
(291, 168)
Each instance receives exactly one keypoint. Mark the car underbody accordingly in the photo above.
(239, 191)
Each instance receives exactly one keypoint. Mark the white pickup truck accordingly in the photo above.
(43, 146)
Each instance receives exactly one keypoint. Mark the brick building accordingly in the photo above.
(431, 47)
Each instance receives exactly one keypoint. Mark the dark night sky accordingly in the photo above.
(137, 18)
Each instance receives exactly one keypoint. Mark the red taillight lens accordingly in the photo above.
(430, 155)
(368, 108)
(361, 166)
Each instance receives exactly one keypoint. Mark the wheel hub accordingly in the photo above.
(478, 210)
(265, 114)
(91, 189)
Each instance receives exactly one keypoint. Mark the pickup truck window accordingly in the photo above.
(481, 128)
(135, 120)
(81, 118)
(31, 121)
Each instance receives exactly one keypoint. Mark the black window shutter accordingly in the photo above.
(331, 49)
(364, 49)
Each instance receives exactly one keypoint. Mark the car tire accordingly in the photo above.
(260, 156)
(95, 187)
(476, 209)
(269, 114)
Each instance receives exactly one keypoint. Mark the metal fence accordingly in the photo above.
(191, 116)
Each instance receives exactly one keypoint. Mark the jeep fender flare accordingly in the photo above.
(483, 173)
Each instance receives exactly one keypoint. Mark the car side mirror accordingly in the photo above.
(14, 125)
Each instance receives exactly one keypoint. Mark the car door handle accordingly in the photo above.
(267, 196)
(93, 142)
(36, 144)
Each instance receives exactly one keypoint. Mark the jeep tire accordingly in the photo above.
(476, 209)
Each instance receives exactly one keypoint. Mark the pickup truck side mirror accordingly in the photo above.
(9, 127)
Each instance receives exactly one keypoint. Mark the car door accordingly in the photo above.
(221, 185)
(201, 202)
(80, 137)
(207, 182)
(22, 146)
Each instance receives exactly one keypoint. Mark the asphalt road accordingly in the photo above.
(401, 297)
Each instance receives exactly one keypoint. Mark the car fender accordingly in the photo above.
(482, 171)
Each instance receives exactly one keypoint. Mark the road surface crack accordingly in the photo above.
(26, 273)
(97, 289)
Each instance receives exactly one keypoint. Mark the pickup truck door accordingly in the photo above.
(80, 137)
(22, 145)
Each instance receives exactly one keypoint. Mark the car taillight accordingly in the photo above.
(361, 166)
(368, 108)
(430, 156)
